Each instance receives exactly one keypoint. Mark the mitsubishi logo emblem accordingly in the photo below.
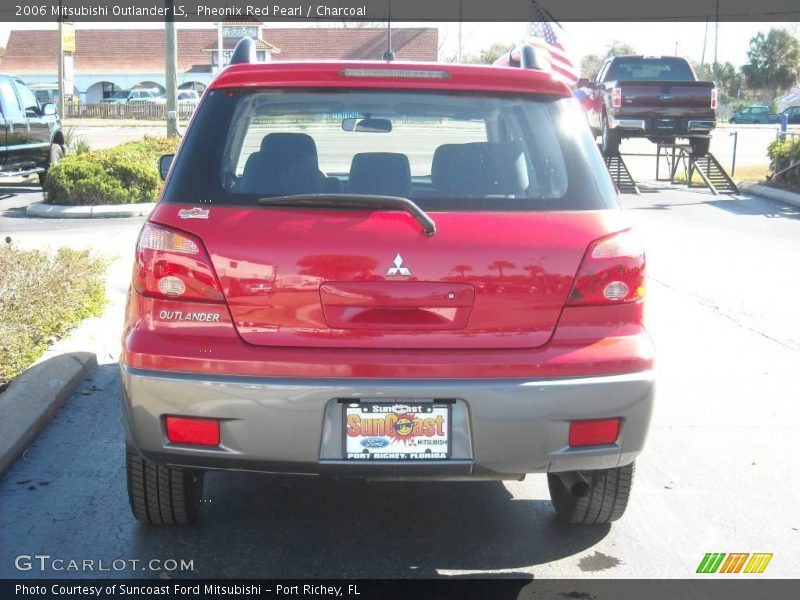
(398, 268)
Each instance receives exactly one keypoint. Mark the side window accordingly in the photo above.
(9, 97)
(29, 103)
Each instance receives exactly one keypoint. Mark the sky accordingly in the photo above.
(583, 38)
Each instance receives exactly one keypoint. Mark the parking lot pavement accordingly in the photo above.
(716, 475)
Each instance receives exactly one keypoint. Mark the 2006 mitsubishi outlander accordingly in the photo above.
(388, 271)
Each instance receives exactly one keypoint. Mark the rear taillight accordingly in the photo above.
(616, 97)
(714, 98)
(612, 272)
(174, 265)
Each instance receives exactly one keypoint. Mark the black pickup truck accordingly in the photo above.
(657, 97)
(31, 138)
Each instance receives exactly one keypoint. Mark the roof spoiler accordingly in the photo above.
(526, 56)
(244, 52)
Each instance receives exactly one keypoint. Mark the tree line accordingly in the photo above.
(772, 68)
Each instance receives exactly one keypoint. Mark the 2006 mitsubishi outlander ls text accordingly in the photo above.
(386, 270)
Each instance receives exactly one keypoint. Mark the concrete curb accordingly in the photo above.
(33, 398)
(771, 193)
(101, 211)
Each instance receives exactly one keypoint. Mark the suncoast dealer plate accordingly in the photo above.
(396, 431)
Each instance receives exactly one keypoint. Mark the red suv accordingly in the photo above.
(389, 271)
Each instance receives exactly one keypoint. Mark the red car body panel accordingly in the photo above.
(272, 264)
(331, 75)
(307, 292)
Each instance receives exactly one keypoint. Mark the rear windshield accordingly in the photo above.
(650, 69)
(444, 151)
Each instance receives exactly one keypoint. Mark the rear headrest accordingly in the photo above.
(380, 173)
(280, 174)
(296, 143)
(480, 169)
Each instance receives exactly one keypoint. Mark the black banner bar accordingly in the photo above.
(400, 10)
(713, 588)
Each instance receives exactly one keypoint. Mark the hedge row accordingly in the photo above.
(42, 297)
(124, 174)
(783, 152)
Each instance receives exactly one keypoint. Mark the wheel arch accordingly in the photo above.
(58, 138)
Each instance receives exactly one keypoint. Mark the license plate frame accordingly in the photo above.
(382, 441)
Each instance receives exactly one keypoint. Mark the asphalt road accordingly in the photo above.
(718, 473)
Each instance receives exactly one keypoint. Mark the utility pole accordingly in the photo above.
(60, 101)
(705, 39)
(716, 39)
(171, 71)
(460, 27)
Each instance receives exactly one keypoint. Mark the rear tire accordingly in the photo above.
(609, 490)
(611, 139)
(56, 154)
(161, 495)
(700, 146)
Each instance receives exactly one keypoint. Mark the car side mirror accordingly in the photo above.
(164, 163)
(583, 82)
(48, 109)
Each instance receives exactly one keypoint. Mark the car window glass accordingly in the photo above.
(29, 102)
(10, 102)
(651, 69)
(446, 151)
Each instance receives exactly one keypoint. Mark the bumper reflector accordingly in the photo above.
(593, 433)
(188, 430)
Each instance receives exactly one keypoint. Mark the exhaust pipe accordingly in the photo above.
(576, 483)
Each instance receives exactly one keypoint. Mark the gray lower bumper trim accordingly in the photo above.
(501, 428)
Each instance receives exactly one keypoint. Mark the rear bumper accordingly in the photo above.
(501, 428)
(654, 126)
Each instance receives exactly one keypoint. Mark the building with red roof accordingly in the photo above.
(109, 60)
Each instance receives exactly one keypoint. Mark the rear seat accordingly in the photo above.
(286, 164)
(479, 169)
(380, 173)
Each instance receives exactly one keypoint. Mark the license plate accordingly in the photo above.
(665, 123)
(396, 431)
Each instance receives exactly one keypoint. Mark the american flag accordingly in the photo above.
(550, 35)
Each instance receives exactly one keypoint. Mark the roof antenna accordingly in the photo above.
(389, 54)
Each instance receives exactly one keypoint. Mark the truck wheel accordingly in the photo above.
(161, 495)
(700, 146)
(611, 139)
(56, 154)
(591, 497)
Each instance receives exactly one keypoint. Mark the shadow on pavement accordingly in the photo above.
(741, 205)
(66, 497)
(757, 206)
(260, 526)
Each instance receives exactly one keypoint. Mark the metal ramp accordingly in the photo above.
(707, 167)
(620, 174)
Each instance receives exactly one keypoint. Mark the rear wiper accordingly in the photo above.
(354, 201)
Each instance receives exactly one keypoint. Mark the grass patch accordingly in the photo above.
(743, 174)
(124, 174)
(42, 296)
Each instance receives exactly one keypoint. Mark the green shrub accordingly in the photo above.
(125, 174)
(42, 297)
(783, 152)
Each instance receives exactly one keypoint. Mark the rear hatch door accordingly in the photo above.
(356, 279)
